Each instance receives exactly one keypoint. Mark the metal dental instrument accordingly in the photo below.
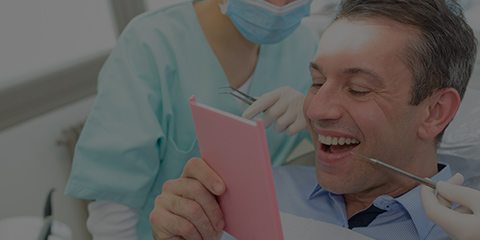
(239, 95)
(424, 181)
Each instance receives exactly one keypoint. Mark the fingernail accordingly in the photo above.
(218, 188)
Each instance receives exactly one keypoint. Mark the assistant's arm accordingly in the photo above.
(111, 221)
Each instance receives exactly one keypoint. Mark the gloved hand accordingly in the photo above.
(284, 106)
(460, 223)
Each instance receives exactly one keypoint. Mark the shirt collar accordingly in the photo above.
(410, 201)
(317, 192)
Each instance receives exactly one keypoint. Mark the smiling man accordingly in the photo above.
(361, 92)
(388, 78)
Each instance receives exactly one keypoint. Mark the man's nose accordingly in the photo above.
(325, 105)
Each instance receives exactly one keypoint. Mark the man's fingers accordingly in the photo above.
(193, 212)
(167, 225)
(193, 190)
(205, 179)
(198, 169)
(187, 207)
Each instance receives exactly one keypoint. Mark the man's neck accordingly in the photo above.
(423, 165)
(236, 54)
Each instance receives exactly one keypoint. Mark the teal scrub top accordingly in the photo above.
(140, 131)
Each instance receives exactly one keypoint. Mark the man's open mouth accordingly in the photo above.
(334, 145)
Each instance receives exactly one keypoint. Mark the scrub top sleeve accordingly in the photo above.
(117, 155)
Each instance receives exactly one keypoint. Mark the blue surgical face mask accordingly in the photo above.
(261, 22)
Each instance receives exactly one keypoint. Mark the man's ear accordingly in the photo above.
(442, 107)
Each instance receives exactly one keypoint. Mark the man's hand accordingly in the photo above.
(187, 208)
(460, 223)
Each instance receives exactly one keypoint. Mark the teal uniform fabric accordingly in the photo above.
(140, 131)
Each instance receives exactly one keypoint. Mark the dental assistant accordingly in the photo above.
(140, 132)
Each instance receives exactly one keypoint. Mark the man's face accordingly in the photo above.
(360, 98)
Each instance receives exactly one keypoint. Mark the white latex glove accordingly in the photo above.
(284, 106)
(460, 223)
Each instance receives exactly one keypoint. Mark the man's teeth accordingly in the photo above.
(327, 140)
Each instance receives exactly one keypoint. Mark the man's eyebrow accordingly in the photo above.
(373, 77)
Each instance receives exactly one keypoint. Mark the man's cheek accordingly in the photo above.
(306, 105)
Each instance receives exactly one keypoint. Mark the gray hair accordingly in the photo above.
(444, 54)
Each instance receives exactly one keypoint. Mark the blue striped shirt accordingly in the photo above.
(403, 218)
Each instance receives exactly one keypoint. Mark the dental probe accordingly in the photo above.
(425, 181)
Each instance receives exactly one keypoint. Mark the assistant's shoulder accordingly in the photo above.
(171, 20)
(160, 36)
